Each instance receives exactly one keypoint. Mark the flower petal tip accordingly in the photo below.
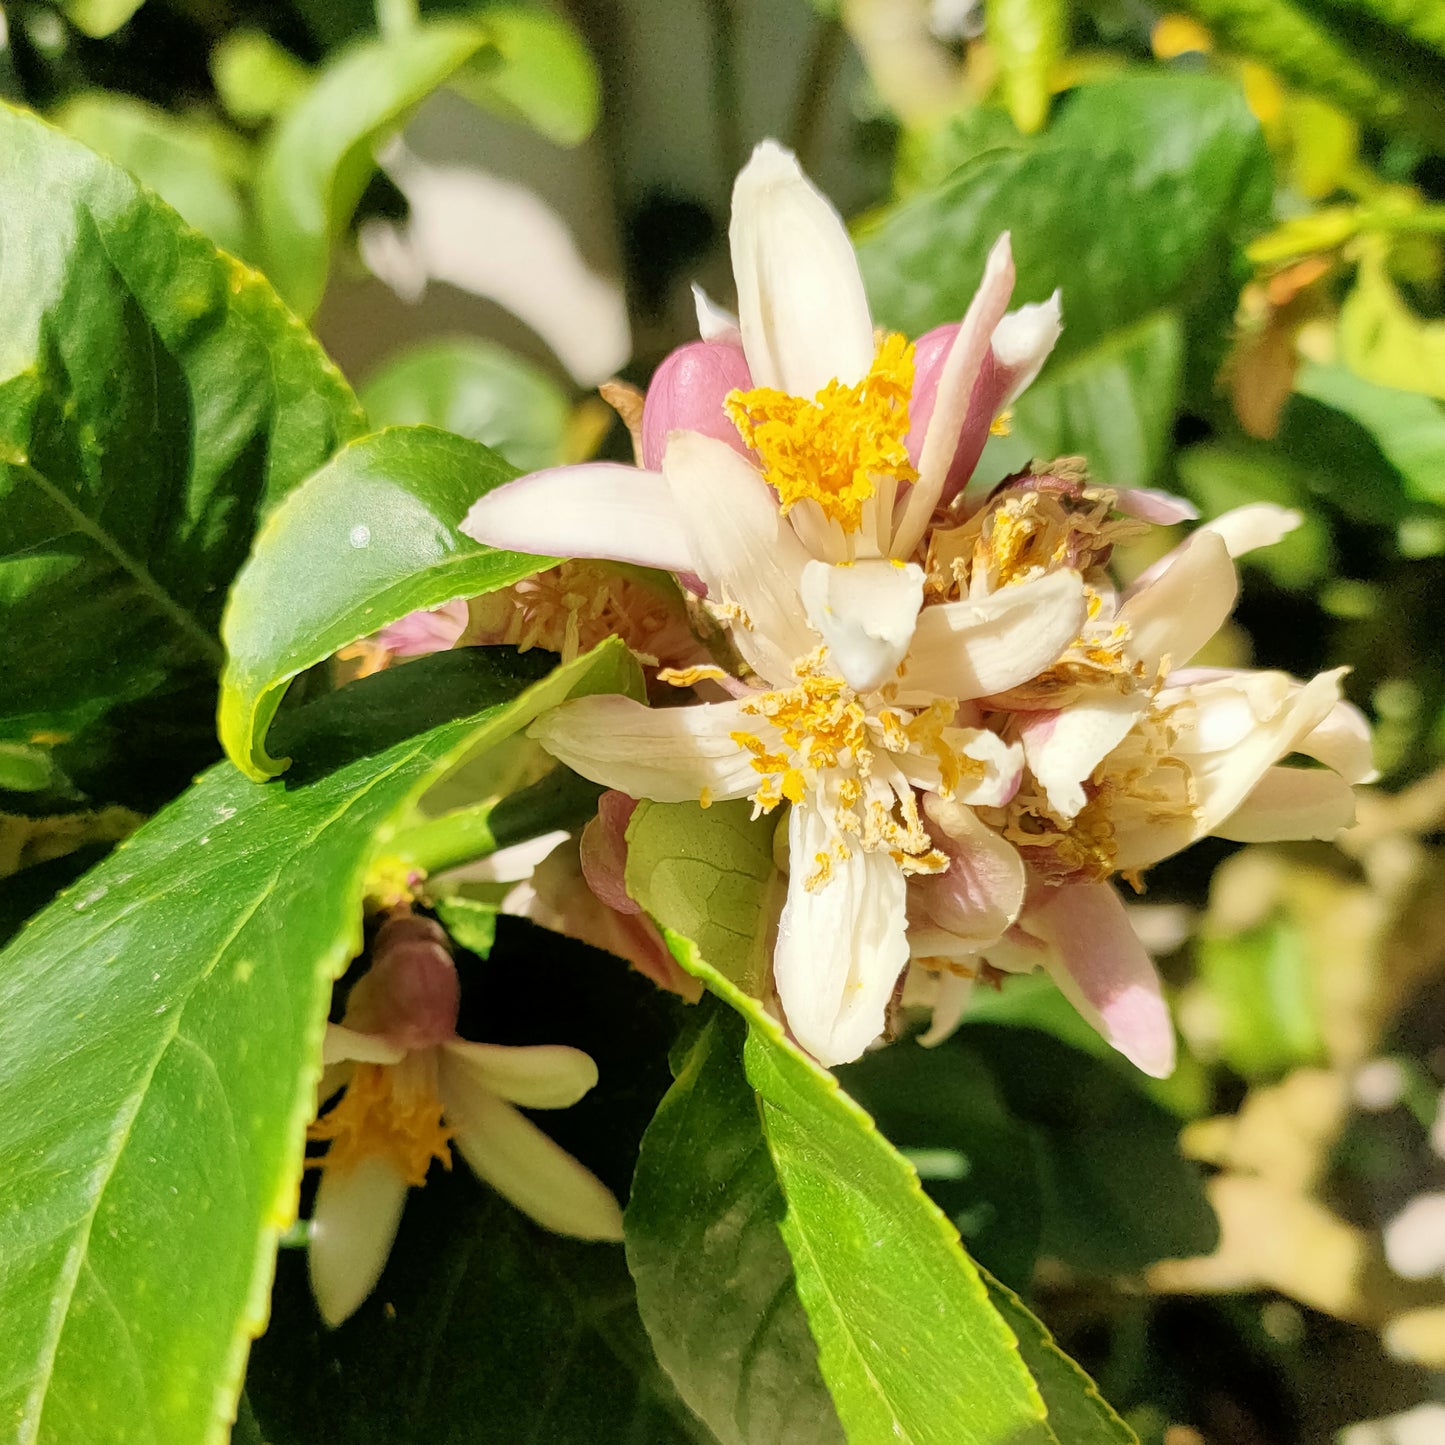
(1137, 1023)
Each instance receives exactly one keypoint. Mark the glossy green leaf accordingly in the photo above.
(1027, 38)
(318, 159)
(714, 1281)
(478, 390)
(538, 71)
(99, 18)
(369, 538)
(1176, 174)
(155, 399)
(941, 1109)
(1114, 404)
(193, 164)
(485, 1326)
(908, 1344)
(1117, 1193)
(185, 983)
(1078, 1413)
(1408, 428)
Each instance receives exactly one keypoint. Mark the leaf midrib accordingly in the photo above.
(198, 636)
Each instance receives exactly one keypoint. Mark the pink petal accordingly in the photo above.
(410, 994)
(687, 392)
(1103, 970)
(426, 631)
(604, 851)
(1151, 505)
(980, 893)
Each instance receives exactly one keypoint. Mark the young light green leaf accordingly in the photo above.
(908, 1343)
(372, 536)
(478, 390)
(1078, 1413)
(256, 78)
(155, 398)
(193, 163)
(318, 158)
(539, 72)
(714, 1281)
(99, 18)
(184, 983)
(1027, 36)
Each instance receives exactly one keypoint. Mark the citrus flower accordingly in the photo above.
(1130, 755)
(794, 490)
(409, 1088)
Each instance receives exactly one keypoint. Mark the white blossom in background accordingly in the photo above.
(408, 1089)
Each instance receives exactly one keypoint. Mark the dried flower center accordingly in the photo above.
(387, 1110)
(830, 449)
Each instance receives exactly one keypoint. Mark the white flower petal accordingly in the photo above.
(801, 305)
(341, 1043)
(974, 648)
(1291, 803)
(1063, 748)
(1151, 505)
(742, 548)
(955, 388)
(865, 611)
(1185, 605)
(667, 754)
(598, 509)
(841, 945)
(1259, 524)
(353, 1224)
(537, 1076)
(523, 1165)
(1023, 340)
(1342, 742)
(1103, 970)
(714, 322)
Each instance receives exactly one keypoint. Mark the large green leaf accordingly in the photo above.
(478, 390)
(1078, 1413)
(155, 398)
(318, 158)
(714, 1281)
(908, 1344)
(161, 1024)
(484, 1326)
(1176, 176)
(369, 538)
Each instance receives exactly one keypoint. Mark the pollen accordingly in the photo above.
(391, 1111)
(830, 449)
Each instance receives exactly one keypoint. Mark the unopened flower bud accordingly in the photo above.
(687, 392)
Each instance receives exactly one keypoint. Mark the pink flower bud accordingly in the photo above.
(604, 851)
(687, 394)
(410, 994)
(930, 352)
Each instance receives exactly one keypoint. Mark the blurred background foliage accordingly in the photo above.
(487, 210)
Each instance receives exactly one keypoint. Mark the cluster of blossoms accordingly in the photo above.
(970, 727)
(965, 726)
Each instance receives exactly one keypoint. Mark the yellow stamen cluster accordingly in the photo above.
(821, 723)
(830, 449)
(387, 1110)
